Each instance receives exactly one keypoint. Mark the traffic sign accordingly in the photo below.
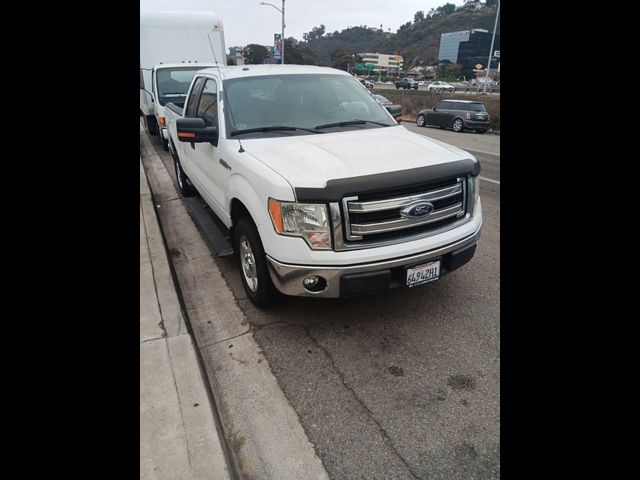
(360, 66)
(496, 53)
(479, 66)
(370, 66)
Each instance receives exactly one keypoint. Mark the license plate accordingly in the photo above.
(423, 273)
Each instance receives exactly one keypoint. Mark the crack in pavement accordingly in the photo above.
(385, 436)
(153, 274)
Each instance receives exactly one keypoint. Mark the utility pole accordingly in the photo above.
(283, 25)
(493, 38)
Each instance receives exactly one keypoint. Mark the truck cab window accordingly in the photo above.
(192, 102)
(208, 104)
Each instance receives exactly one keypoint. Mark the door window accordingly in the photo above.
(208, 104)
(192, 102)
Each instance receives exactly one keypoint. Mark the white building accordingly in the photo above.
(382, 61)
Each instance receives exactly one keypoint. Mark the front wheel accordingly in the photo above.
(457, 126)
(184, 184)
(421, 121)
(253, 264)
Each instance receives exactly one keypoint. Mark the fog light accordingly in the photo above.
(310, 281)
(314, 284)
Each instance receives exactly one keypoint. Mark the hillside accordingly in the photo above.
(417, 41)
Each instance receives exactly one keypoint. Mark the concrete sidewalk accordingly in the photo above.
(179, 436)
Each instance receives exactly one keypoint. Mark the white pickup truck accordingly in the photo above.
(324, 194)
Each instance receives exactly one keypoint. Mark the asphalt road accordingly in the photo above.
(401, 385)
(485, 147)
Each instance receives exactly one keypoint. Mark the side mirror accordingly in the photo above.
(193, 130)
(434, 109)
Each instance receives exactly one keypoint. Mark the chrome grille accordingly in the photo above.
(381, 217)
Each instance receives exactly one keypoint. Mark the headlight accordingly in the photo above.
(307, 220)
(474, 191)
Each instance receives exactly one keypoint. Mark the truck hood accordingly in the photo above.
(309, 161)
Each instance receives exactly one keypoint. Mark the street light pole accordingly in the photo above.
(493, 38)
(282, 35)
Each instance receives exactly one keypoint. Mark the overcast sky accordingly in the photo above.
(246, 21)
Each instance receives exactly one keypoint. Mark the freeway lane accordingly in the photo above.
(401, 385)
(485, 147)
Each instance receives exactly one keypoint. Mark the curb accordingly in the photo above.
(178, 434)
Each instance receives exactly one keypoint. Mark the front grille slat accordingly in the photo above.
(372, 216)
(381, 227)
(362, 207)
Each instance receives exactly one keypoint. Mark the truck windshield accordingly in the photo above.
(173, 83)
(304, 101)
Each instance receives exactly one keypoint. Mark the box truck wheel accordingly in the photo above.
(151, 124)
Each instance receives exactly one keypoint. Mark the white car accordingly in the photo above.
(440, 87)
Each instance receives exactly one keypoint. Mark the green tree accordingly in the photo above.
(298, 53)
(314, 34)
(418, 17)
(446, 9)
(341, 59)
(231, 60)
(255, 54)
(491, 3)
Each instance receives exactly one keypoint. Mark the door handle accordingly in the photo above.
(225, 164)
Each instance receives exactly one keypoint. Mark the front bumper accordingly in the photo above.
(368, 278)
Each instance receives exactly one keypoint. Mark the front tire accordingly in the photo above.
(421, 120)
(184, 184)
(253, 264)
(457, 125)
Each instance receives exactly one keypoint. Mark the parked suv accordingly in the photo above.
(407, 83)
(456, 114)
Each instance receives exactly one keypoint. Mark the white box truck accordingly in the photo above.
(173, 47)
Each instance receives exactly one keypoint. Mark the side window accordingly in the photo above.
(443, 106)
(192, 101)
(208, 104)
(461, 106)
(141, 79)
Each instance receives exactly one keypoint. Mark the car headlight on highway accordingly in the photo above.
(307, 220)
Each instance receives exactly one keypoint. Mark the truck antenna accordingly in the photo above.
(224, 91)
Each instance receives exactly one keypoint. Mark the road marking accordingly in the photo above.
(489, 180)
(478, 151)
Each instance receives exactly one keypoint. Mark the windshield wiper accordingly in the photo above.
(272, 128)
(351, 122)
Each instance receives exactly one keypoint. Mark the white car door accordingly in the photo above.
(210, 173)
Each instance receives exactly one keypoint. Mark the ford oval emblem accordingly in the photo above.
(417, 210)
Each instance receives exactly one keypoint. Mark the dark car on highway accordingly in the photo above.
(459, 115)
(407, 83)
